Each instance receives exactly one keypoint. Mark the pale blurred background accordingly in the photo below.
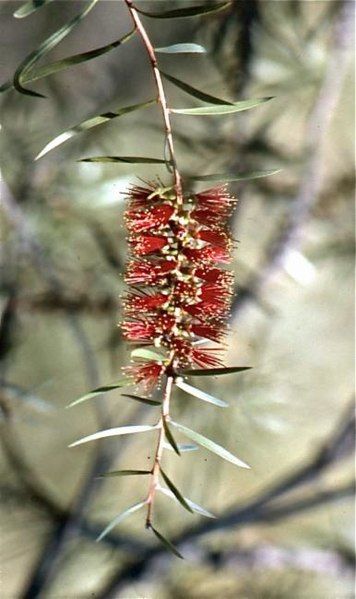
(285, 527)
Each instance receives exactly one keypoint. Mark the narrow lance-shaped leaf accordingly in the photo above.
(193, 91)
(124, 473)
(195, 506)
(70, 61)
(191, 11)
(168, 545)
(66, 63)
(126, 159)
(200, 394)
(52, 41)
(90, 123)
(210, 445)
(182, 49)
(227, 177)
(171, 440)
(175, 491)
(124, 382)
(146, 354)
(145, 400)
(114, 432)
(120, 518)
(221, 109)
(183, 447)
(213, 371)
(29, 7)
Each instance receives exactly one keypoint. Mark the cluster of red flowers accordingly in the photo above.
(178, 296)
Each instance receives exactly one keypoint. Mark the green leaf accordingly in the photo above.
(149, 402)
(192, 91)
(123, 473)
(166, 543)
(227, 177)
(65, 63)
(191, 11)
(120, 518)
(52, 41)
(114, 432)
(90, 123)
(183, 447)
(147, 354)
(210, 445)
(182, 49)
(200, 394)
(29, 7)
(171, 440)
(127, 159)
(223, 109)
(213, 371)
(195, 507)
(175, 491)
(121, 383)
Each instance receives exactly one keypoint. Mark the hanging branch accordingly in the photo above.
(180, 293)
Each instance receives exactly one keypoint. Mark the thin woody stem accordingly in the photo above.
(159, 451)
(161, 97)
(179, 196)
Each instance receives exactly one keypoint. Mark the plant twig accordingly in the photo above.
(179, 202)
(161, 96)
(159, 451)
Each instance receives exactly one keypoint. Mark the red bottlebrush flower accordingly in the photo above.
(208, 274)
(139, 330)
(184, 291)
(135, 303)
(182, 351)
(207, 254)
(146, 330)
(148, 273)
(205, 310)
(215, 275)
(206, 217)
(218, 238)
(217, 200)
(185, 353)
(148, 244)
(205, 359)
(146, 374)
(215, 292)
(139, 197)
(209, 331)
(194, 294)
(179, 231)
(153, 218)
